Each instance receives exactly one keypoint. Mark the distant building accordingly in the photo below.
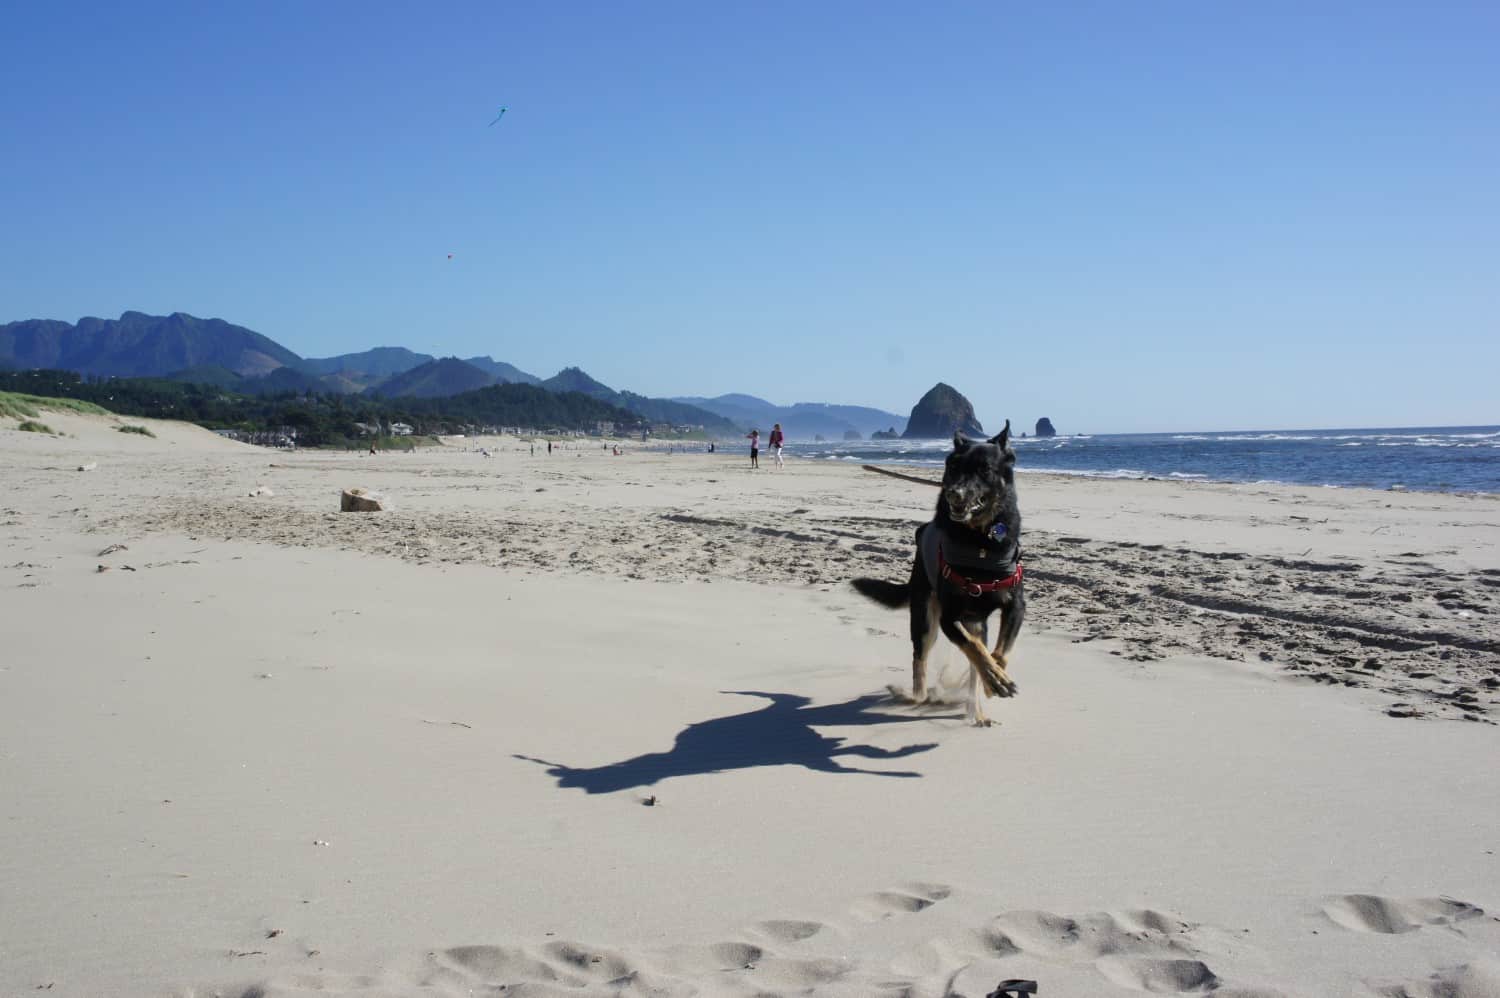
(402, 429)
(283, 436)
(605, 427)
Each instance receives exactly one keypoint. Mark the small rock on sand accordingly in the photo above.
(360, 501)
(88, 467)
(261, 490)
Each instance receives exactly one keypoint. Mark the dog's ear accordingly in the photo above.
(1002, 439)
(959, 441)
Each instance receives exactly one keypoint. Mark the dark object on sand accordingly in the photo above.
(1013, 989)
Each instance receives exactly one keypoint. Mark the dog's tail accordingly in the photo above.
(891, 594)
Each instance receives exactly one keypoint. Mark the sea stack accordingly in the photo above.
(942, 412)
(1044, 428)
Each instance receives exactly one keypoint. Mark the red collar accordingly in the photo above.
(971, 587)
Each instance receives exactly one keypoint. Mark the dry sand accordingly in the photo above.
(277, 750)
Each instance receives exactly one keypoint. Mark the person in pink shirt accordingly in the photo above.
(754, 436)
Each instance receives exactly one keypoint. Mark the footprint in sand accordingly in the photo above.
(760, 968)
(695, 961)
(787, 930)
(1390, 916)
(493, 966)
(1140, 950)
(1163, 977)
(1480, 979)
(904, 899)
(1090, 936)
(589, 962)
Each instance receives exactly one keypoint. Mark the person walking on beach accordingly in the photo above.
(754, 448)
(776, 440)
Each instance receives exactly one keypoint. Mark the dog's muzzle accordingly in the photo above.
(961, 508)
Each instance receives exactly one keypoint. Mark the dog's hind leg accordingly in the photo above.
(924, 631)
(1011, 615)
(922, 644)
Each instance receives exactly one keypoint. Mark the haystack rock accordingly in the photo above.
(1044, 428)
(940, 413)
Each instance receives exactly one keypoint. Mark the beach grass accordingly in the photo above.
(16, 405)
(31, 426)
(132, 428)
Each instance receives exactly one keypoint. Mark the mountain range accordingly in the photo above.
(139, 345)
(185, 348)
(802, 421)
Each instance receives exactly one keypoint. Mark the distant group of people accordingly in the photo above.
(774, 441)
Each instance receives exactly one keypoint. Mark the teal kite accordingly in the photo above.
(498, 116)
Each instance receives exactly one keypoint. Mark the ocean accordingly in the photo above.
(1425, 459)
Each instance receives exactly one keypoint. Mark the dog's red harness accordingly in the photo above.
(969, 585)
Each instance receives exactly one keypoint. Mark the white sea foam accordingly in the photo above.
(1265, 436)
(1077, 473)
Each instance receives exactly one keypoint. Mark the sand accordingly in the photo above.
(594, 725)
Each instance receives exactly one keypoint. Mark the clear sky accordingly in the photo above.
(1124, 216)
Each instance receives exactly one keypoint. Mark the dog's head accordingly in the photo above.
(979, 480)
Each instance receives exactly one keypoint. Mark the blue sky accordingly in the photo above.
(1148, 216)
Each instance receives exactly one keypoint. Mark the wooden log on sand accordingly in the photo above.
(905, 478)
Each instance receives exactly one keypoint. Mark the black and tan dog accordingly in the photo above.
(968, 565)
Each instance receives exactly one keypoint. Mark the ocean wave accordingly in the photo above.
(1125, 473)
(1264, 436)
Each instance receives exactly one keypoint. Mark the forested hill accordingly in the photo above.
(137, 344)
(329, 419)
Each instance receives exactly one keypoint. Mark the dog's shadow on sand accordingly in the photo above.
(778, 734)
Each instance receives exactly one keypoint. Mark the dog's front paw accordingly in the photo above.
(1003, 686)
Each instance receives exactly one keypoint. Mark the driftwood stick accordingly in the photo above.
(904, 478)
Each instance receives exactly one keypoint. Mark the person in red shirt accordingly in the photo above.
(775, 442)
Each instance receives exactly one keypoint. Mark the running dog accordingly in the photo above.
(968, 565)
